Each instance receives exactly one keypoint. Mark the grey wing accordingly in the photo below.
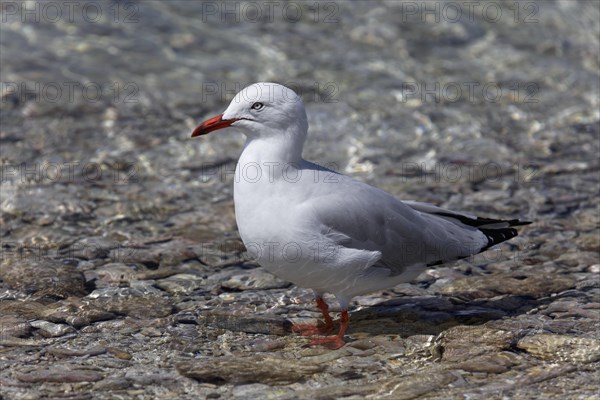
(405, 233)
(495, 230)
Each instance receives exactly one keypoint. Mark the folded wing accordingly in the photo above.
(407, 234)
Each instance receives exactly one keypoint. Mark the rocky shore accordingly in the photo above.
(122, 274)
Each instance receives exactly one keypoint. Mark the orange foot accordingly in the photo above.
(337, 341)
(310, 330)
(331, 342)
(321, 329)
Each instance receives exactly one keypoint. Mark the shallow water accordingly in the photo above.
(492, 111)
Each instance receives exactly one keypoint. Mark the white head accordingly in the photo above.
(262, 110)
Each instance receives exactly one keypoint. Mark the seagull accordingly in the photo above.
(326, 231)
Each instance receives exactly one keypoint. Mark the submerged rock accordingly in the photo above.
(561, 348)
(122, 273)
(234, 369)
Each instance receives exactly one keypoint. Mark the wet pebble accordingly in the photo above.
(267, 325)
(242, 369)
(254, 279)
(120, 354)
(60, 375)
(495, 363)
(113, 384)
(537, 285)
(594, 269)
(573, 308)
(48, 329)
(461, 343)
(142, 301)
(67, 352)
(561, 348)
(12, 326)
(91, 248)
(48, 279)
(180, 284)
(264, 345)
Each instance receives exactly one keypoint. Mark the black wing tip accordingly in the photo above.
(496, 236)
(481, 221)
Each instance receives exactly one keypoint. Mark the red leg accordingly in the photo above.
(336, 341)
(327, 327)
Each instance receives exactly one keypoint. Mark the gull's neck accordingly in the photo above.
(280, 147)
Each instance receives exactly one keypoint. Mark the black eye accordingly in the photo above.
(257, 106)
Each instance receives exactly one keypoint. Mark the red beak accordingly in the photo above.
(212, 124)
